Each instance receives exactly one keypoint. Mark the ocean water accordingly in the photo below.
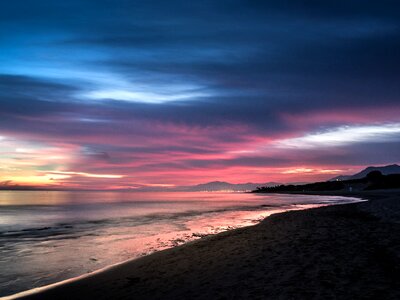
(46, 237)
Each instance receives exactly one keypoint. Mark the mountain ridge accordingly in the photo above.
(214, 186)
(385, 170)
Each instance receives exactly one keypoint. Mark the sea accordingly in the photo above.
(51, 236)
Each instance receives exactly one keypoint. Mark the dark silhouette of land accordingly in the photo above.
(385, 170)
(374, 180)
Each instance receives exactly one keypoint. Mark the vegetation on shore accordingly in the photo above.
(373, 181)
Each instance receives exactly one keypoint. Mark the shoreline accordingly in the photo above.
(37, 290)
(276, 210)
(194, 237)
(126, 273)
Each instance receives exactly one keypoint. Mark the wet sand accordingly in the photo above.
(339, 252)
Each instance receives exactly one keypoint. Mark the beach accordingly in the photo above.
(50, 237)
(349, 251)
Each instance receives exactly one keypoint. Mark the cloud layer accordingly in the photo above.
(182, 92)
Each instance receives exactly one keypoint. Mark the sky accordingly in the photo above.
(125, 94)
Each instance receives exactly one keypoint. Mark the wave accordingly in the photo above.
(79, 228)
(76, 229)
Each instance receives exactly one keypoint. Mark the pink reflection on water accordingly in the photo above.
(168, 236)
(79, 232)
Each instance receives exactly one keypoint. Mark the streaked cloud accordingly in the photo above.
(310, 170)
(69, 173)
(95, 94)
(344, 135)
(146, 97)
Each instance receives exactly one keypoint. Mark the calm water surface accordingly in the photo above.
(47, 237)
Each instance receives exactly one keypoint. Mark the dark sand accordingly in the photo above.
(339, 252)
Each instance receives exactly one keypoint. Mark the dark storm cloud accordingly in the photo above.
(14, 86)
(267, 52)
(24, 96)
(375, 153)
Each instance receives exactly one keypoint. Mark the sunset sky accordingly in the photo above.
(127, 94)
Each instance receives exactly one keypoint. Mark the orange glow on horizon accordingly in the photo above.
(69, 174)
(27, 163)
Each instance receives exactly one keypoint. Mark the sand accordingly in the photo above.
(339, 252)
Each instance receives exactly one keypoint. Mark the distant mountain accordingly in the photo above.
(216, 186)
(385, 170)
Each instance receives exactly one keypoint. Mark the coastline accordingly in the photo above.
(260, 261)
